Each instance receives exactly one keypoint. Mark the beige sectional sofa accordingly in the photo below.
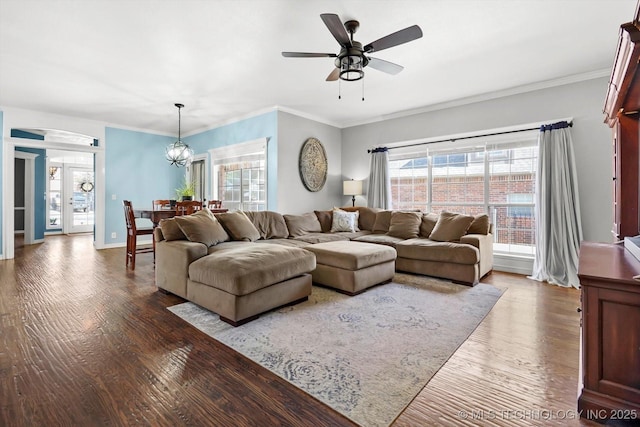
(240, 264)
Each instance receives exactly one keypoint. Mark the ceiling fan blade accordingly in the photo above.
(308, 55)
(335, 74)
(394, 39)
(385, 66)
(335, 26)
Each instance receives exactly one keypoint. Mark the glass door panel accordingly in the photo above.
(79, 207)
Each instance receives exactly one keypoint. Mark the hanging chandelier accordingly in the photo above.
(179, 153)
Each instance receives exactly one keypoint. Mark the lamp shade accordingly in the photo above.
(352, 188)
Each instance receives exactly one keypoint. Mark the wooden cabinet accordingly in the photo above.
(610, 332)
(621, 110)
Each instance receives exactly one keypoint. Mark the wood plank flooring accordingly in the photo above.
(85, 342)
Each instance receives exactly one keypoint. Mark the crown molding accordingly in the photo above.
(231, 120)
(545, 84)
(308, 116)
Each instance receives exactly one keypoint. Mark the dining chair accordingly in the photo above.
(161, 204)
(187, 207)
(135, 228)
(214, 204)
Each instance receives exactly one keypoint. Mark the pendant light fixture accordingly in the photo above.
(179, 153)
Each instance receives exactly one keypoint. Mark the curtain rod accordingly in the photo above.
(466, 137)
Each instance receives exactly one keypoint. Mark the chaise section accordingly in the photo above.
(456, 261)
(352, 267)
(241, 282)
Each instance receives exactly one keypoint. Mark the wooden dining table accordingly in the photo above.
(156, 215)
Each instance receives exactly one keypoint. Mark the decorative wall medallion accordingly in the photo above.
(313, 165)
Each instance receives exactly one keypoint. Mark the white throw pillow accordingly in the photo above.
(344, 221)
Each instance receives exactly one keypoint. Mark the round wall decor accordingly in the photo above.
(313, 165)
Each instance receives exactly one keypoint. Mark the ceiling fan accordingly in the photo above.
(352, 59)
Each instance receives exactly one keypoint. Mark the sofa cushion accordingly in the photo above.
(450, 227)
(405, 225)
(270, 225)
(286, 242)
(171, 230)
(299, 225)
(227, 245)
(352, 255)
(202, 227)
(479, 225)
(382, 222)
(429, 221)
(430, 250)
(239, 226)
(245, 269)
(381, 239)
(367, 217)
(322, 237)
(344, 221)
(325, 218)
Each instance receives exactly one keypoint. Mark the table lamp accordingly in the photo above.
(352, 188)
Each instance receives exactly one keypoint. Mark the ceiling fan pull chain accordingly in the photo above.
(339, 89)
(363, 89)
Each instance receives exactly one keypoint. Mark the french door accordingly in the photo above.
(79, 207)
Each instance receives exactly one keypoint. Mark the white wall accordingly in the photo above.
(592, 138)
(293, 197)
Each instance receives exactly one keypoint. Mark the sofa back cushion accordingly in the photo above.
(171, 230)
(428, 223)
(450, 227)
(202, 227)
(480, 225)
(405, 225)
(270, 225)
(299, 225)
(326, 219)
(382, 222)
(239, 226)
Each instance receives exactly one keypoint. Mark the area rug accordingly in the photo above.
(365, 356)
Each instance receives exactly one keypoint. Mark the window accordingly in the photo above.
(55, 196)
(495, 176)
(240, 175)
(197, 171)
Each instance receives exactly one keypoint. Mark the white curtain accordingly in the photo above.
(379, 193)
(558, 227)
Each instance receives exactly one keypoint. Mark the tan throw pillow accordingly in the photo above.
(428, 223)
(382, 222)
(202, 227)
(325, 218)
(480, 225)
(344, 221)
(239, 226)
(171, 230)
(299, 225)
(450, 227)
(269, 224)
(405, 225)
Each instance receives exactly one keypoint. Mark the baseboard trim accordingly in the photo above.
(513, 264)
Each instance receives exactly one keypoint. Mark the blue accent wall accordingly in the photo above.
(135, 170)
(261, 126)
(40, 189)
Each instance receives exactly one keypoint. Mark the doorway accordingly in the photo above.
(79, 207)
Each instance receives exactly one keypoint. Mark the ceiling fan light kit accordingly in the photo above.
(352, 59)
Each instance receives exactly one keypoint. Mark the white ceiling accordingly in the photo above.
(128, 62)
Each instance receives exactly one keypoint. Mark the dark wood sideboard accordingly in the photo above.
(610, 332)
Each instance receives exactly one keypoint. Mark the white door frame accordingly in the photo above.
(29, 191)
(10, 143)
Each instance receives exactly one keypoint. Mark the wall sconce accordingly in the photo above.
(352, 188)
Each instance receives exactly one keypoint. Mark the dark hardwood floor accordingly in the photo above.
(85, 342)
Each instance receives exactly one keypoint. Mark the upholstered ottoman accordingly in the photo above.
(352, 267)
(241, 282)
